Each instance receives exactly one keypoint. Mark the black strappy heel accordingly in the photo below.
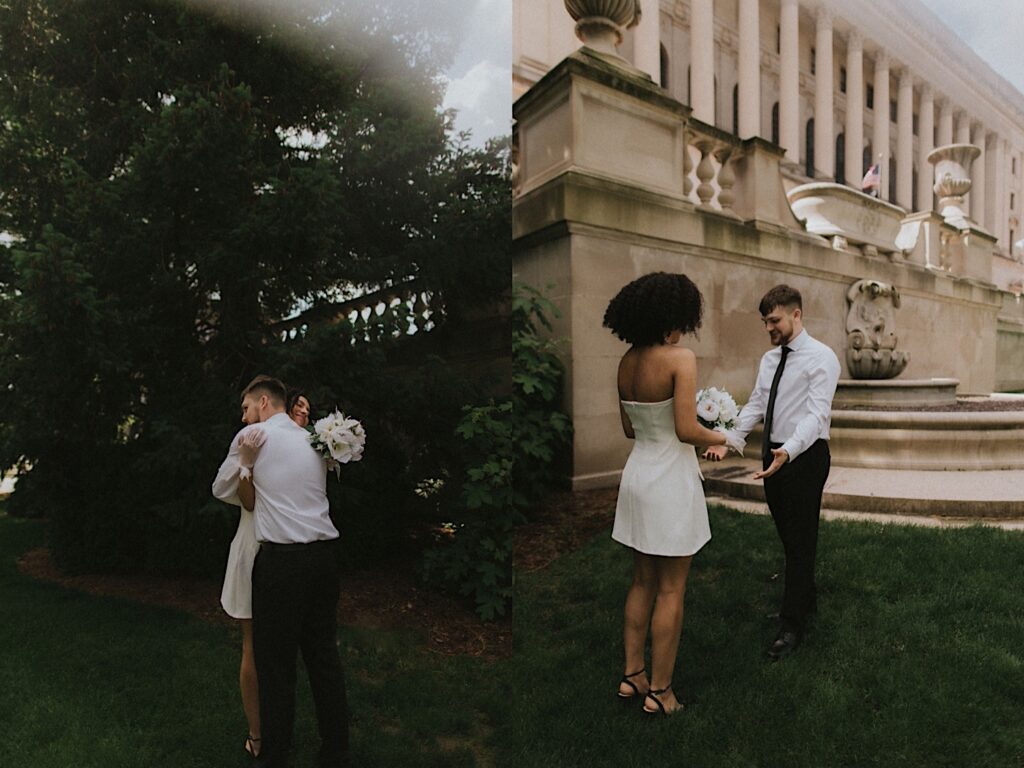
(636, 691)
(653, 696)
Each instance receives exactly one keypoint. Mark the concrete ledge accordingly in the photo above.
(968, 494)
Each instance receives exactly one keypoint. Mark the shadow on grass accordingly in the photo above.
(93, 681)
(915, 658)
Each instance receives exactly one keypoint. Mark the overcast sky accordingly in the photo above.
(480, 79)
(993, 28)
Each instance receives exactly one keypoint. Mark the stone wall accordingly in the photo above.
(590, 228)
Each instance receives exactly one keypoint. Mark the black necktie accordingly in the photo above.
(766, 451)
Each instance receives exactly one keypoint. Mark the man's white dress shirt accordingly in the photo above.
(803, 403)
(290, 478)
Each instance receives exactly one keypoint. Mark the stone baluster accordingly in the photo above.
(705, 172)
(726, 178)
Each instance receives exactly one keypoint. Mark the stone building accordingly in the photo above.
(705, 145)
(892, 59)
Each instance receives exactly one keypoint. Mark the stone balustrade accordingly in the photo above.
(709, 167)
(394, 311)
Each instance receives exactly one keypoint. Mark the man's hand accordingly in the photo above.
(249, 447)
(781, 457)
(716, 453)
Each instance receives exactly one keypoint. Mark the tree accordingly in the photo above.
(177, 183)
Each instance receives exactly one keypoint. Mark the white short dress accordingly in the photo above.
(236, 595)
(661, 508)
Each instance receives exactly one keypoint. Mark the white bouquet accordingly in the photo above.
(338, 439)
(716, 409)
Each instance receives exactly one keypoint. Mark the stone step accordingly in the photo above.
(966, 494)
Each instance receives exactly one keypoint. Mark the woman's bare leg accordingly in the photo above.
(249, 685)
(639, 601)
(667, 624)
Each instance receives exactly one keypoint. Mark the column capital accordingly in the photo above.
(854, 40)
(881, 58)
(945, 105)
(927, 92)
(789, 3)
(906, 77)
(824, 17)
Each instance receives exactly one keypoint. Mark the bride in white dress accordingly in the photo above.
(236, 594)
(661, 514)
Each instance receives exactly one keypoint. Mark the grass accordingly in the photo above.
(89, 681)
(915, 659)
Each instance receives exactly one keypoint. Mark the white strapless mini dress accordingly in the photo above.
(661, 508)
(236, 594)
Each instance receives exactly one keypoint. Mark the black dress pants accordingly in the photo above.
(794, 499)
(295, 593)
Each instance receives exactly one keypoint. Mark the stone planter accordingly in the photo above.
(843, 214)
(952, 180)
(600, 24)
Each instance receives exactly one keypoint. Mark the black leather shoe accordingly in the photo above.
(784, 645)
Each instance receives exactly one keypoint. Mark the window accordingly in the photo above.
(892, 111)
(813, 62)
(1013, 200)
(736, 109)
(871, 96)
(664, 67)
(775, 123)
(809, 169)
(778, 38)
(841, 158)
(913, 192)
(842, 79)
(914, 124)
(867, 160)
(892, 178)
(1014, 161)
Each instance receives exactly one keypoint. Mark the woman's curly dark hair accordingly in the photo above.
(294, 393)
(652, 306)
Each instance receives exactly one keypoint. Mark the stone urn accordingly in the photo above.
(600, 24)
(871, 331)
(952, 180)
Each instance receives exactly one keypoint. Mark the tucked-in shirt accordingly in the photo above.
(290, 478)
(803, 403)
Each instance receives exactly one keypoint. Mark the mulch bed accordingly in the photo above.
(385, 598)
(565, 522)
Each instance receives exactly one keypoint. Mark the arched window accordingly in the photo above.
(775, 123)
(664, 68)
(913, 194)
(841, 158)
(809, 169)
(736, 109)
(868, 161)
(892, 178)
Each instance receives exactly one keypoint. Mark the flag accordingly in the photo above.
(872, 179)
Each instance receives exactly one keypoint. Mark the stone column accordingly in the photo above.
(963, 129)
(978, 178)
(702, 60)
(880, 138)
(854, 109)
(647, 44)
(789, 80)
(749, 70)
(945, 135)
(925, 141)
(963, 136)
(905, 140)
(999, 204)
(824, 141)
(991, 188)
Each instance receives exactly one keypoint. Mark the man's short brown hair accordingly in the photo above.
(269, 386)
(780, 296)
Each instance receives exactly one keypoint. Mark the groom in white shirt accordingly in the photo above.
(295, 585)
(796, 382)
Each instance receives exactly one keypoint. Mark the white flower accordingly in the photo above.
(707, 410)
(338, 439)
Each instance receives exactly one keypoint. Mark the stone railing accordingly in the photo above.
(395, 311)
(709, 167)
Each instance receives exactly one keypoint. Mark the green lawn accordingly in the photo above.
(916, 657)
(88, 681)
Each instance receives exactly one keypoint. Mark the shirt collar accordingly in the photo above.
(799, 341)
